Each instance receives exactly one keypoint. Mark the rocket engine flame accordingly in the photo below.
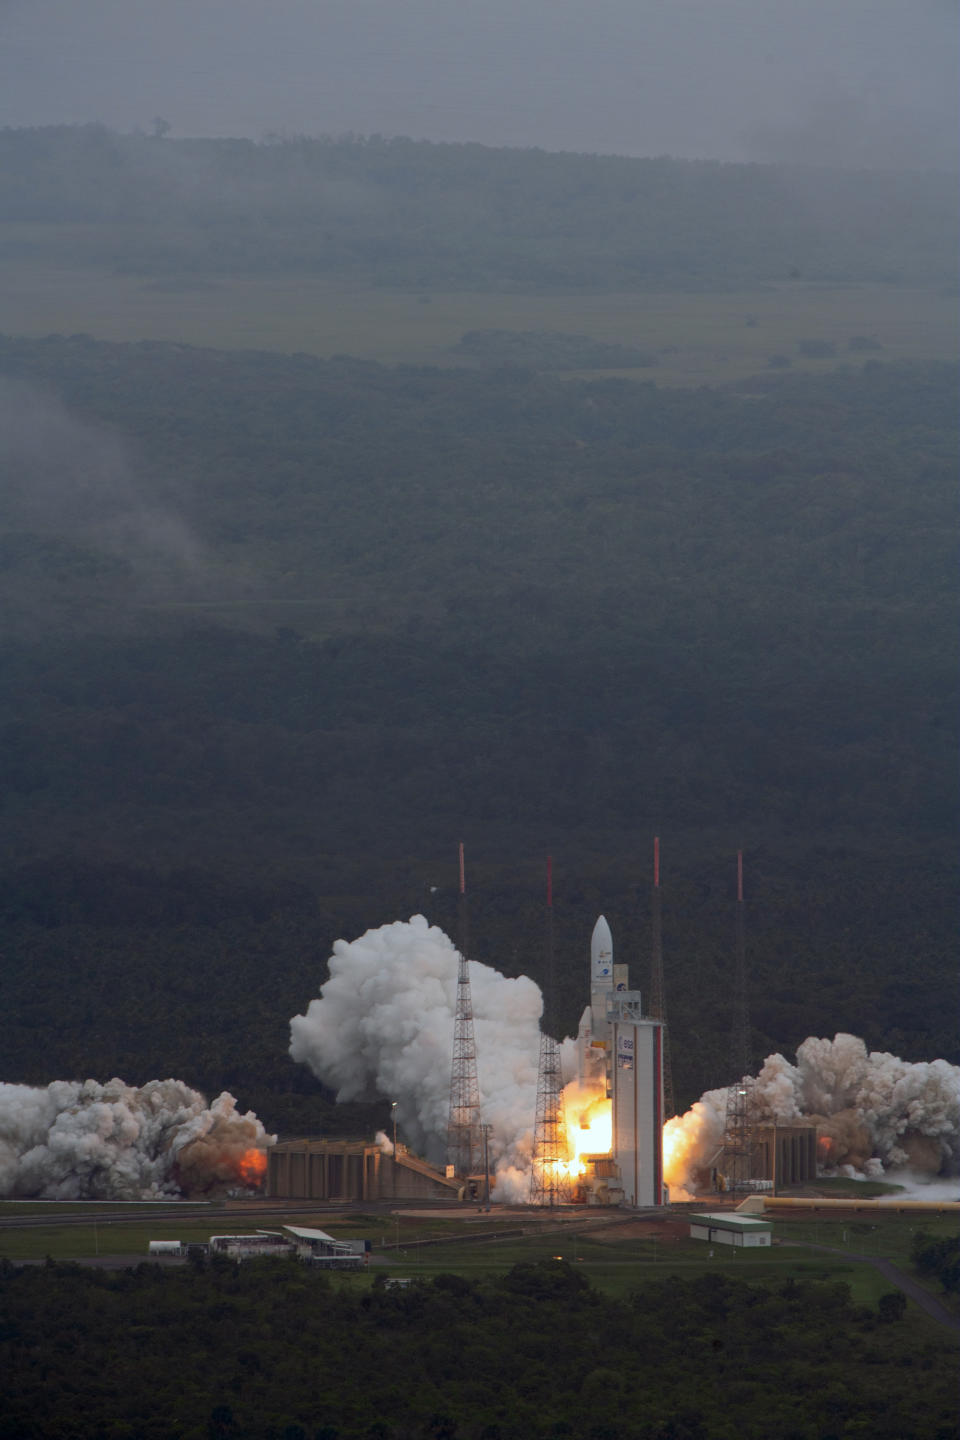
(86, 1141)
(588, 1119)
(875, 1112)
(252, 1167)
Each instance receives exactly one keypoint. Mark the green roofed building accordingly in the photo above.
(727, 1229)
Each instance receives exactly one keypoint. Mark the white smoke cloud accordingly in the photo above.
(875, 1112)
(66, 476)
(86, 1141)
(383, 1025)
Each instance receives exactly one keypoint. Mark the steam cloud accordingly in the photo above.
(383, 1025)
(874, 1112)
(86, 1141)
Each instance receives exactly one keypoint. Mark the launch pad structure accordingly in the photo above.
(658, 995)
(465, 1140)
(736, 1162)
(620, 1060)
(550, 1184)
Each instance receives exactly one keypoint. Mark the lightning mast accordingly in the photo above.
(738, 1140)
(549, 1186)
(658, 998)
(464, 1135)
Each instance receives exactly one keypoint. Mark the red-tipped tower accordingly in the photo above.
(549, 1184)
(738, 1141)
(464, 1134)
(658, 998)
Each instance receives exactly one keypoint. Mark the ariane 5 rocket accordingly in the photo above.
(593, 1036)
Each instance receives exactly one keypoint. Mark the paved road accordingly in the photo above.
(900, 1279)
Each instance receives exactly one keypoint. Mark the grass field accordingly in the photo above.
(614, 1265)
(697, 338)
(75, 1242)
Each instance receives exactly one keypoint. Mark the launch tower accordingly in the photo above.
(738, 1141)
(464, 1134)
(658, 997)
(550, 1184)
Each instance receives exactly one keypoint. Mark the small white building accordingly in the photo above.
(315, 1246)
(322, 1249)
(727, 1229)
(166, 1247)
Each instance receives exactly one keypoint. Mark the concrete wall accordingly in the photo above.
(786, 1154)
(637, 1085)
(349, 1170)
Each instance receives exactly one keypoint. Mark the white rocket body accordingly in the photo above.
(601, 956)
(593, 1035)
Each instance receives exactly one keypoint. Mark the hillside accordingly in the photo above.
(415, 215)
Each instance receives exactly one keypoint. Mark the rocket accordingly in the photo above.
(601, 956)
(594, 1031)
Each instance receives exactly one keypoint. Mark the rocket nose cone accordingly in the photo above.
(601, 941)
(601, 933)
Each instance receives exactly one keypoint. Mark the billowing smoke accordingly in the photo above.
(874, 1112)
(85, 1141)
(383, 1025)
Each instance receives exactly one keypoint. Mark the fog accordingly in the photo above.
(867, 82)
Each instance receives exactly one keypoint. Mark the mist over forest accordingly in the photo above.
(865, 84)
(364, 493)
(526, 424)
(427, 216)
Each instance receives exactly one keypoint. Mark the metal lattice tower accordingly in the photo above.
(549, 1186)
(658, 997)
(464, 1134)
(738, 1138)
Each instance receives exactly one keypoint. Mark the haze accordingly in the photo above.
(862, 83)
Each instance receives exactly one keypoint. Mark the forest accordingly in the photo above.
(265, 1351)
(280, 631)
(388, 211)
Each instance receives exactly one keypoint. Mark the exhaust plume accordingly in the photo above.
(85, 1141)
(383, 1026)
(875, 1113)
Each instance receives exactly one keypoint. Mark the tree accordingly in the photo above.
(892, 1306)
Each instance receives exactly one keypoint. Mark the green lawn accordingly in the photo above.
(698, 339)
(616, 1268)
(71, 1242)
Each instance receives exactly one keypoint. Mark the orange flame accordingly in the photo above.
(588, 1117)
(252, 1167)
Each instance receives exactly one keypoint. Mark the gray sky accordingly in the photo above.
(829, 81)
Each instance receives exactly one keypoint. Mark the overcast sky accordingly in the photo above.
(829, 81)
